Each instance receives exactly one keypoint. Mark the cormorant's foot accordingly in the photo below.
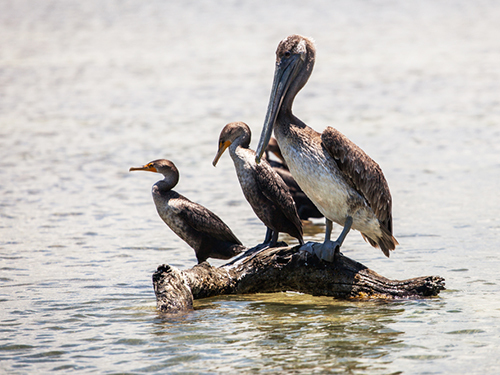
(258, 248)
(327, 251)
(276, 244)
(248, 254)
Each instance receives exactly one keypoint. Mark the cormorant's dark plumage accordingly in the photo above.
(199, 227)
(262, 186)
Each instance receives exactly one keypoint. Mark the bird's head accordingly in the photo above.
(294, 63)
(234, 132)
(162, 166)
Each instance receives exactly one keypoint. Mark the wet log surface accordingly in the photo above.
(281, 269)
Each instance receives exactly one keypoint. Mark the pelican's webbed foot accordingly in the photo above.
(326, 251)
(329, 249)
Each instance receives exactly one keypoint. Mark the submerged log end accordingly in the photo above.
(383, 288)
(173, 293)
(431, 286)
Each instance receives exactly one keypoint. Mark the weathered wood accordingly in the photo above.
(283, 269)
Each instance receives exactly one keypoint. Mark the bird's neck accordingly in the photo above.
(295, 87)
(242, 142)
(286, 105)
(239, 153)
(167, 183)
(286, 124)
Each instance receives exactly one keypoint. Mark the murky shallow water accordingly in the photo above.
(89, 89)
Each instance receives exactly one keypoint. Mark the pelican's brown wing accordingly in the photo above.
(365, 174)
(205, 221)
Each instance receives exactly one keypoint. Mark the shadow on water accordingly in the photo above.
(283, 331)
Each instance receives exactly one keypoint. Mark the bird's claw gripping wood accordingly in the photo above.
(326, 251)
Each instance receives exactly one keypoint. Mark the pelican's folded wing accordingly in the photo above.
(365, 174)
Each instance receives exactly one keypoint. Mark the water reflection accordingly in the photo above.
(282, 332)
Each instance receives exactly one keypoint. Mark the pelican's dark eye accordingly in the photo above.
(287, 54)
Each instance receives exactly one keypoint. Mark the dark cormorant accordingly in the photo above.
(262, 186)
(199, 227)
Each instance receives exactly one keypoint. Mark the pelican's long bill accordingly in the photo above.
(284, 74)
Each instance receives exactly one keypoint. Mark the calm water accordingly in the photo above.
(91, 88)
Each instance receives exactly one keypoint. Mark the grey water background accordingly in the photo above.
(91, 88)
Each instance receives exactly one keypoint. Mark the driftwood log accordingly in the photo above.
(281, 269)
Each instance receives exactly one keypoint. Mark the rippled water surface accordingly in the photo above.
(89, 89)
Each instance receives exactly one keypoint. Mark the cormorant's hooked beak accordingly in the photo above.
(147, 167)
(222, 148)
(284, 74)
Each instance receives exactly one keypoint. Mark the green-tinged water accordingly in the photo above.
(89, 89)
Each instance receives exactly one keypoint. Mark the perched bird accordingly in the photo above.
(343, 182)
(199, 227)
(305, 207)
(274, 148)
(262, 186)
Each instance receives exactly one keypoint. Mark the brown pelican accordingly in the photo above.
(274, 148)
(305, 207)
(199, 227)
(346, 185)
(263, 188)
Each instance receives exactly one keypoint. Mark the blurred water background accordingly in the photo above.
(91, 88)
